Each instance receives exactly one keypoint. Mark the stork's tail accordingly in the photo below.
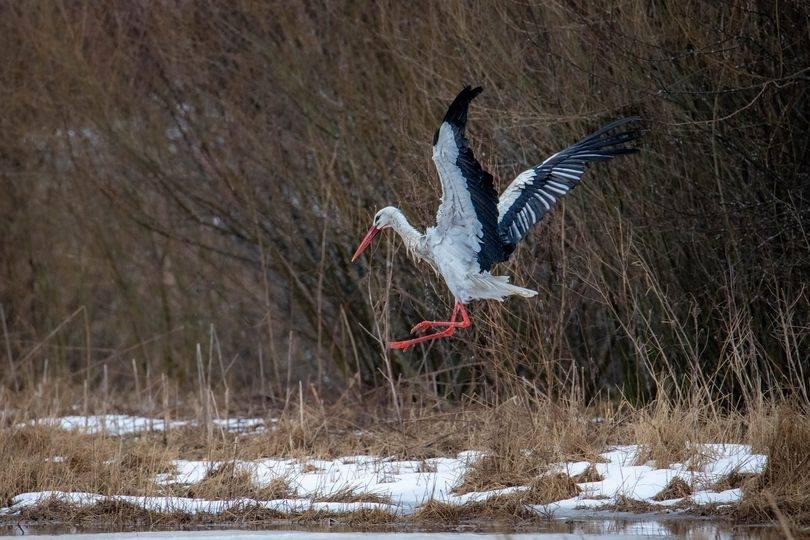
(498, 288)
(519, 291)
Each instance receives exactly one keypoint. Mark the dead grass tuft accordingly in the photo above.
(495, 472)
(41, 458)
(669, 432)
(352, 495)
(522, 439)
(357, 519)
(235, 515)
(784, 486)
(626, 504)
(116, 514)
(435, 511)
(664, 437)
(502, 507)
(53, 509)
(119, 513)
(368, 517)
(251, 514)
(313, 516)
(734, 480)
(337, 430)
(590, 474)
(277, 488)
(543, 489)
(676, 489)
(549, 488)
(228, 481)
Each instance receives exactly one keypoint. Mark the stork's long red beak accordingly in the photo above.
(372, 232)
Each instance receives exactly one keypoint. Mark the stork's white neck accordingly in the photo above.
(409, 234)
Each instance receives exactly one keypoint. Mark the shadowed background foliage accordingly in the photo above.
(178, 173)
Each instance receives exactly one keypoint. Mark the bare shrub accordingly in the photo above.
(214, 166)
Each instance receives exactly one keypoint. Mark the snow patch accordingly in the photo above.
(122, 424)
(406, 485)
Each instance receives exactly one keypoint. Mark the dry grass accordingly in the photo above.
(784, 486)
(733, 480)
(676, 489)
(40, 458)
(434, 511)
(626, 504)
(590, 474)
(364, 518)
(523, 437)
(520, 440)
(543, 489)
(490, 472)
(352, 495)
(503, 508)
(513, 507)
(549, 488)
(669, 432)
(226, 481)
(115, 514)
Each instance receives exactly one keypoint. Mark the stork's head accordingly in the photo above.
(387, 217)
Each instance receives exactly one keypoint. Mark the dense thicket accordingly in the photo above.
(174, 173)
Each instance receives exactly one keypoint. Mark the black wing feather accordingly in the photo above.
(456, 114)
(536, 191)
(479, 182)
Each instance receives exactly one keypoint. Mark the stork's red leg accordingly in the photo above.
(458, 309)
(424, 325)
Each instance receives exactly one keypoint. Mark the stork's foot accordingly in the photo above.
(458, 309)
(407, 343)
(401, 345)
(449, 330)
(425, 325)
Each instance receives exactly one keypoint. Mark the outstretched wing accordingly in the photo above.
(533, 193)
(469, 209)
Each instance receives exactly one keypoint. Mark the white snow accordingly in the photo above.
(122, 424)
(734, 458)
(405, 485)
(710, 497)
(621, 478)
(408, 484)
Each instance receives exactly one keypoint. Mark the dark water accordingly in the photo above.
(615, 528)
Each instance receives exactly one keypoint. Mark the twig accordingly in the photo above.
(12, 373)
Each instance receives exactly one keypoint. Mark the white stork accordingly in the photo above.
(475, 229)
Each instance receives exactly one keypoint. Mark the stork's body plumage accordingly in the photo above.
(447, 250)
(475, 229)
